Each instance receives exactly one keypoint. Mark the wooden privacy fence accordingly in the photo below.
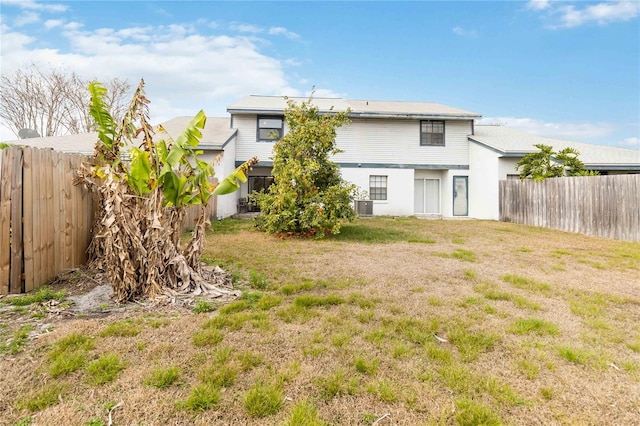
(604, 206)
(45, 220)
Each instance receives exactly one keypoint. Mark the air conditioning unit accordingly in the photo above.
(364, 207)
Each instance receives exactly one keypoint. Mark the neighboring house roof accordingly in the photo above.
(255, 104)
(82, 143)
(510, 142)
(216, 134)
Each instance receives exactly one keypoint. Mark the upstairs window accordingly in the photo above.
(377, 187)
(432, 132)
(270, 129)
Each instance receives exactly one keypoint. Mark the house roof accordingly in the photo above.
(515, 143)
(256, 104)
(215, 135)
(82, 143)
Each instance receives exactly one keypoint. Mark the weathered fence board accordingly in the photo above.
(604, 206)
(6, 163)
(46, 220)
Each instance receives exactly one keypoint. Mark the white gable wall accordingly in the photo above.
(483, 182)
(226, 204)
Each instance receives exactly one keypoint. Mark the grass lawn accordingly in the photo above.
(397, 321)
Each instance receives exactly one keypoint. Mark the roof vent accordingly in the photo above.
(28, 134)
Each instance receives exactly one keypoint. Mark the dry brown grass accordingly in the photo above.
(375, 295)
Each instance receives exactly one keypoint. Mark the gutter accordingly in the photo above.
(356, 114)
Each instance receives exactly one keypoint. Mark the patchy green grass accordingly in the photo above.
(370, 235)
(421, 240)
(303, 285)
(162, 377)
(203, 306)
(263, 400)
(491, 291)
(384, 390)
(528, 368)
(124, 328)
(366, 365)
(336, 383)
(47, 395)
(470, 343)
(202, 397)
(534, 325)
(574, 355)
(67, 362)
(43, 294)
(460, 254)
(16, 342)
(304, 413)
(258, 280)
(472, 413)
(465, 255)
(219, 375)
(312, 301)
(105, 369)
(229, 226)
(527, 284)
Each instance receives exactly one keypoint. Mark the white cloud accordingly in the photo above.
(465, 33)
(538, 4)
(26, 18)
(325, 93)
(185, 70)
(33, 5)
(283, 31)
(53, 23)
(245, 28)
(571, 16)
(602, 13)
(579, 132)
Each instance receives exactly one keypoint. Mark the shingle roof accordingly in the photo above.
(82, 143)
(216, 133)
(359, 108)
(512, 142)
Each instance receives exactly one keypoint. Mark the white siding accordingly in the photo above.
(247, 146)
(507, 166)
(377, 141)
(226, 204)
(386, 141)
(483, 182)
(399, 189)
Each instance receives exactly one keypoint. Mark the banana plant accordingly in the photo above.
(137, 237)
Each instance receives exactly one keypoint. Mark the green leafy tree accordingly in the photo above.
(308, 196)
(136, 237)
(547, 163)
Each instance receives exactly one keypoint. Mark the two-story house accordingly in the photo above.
(411, 158)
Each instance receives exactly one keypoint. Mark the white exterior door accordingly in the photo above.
(460, 196)
(426, 196)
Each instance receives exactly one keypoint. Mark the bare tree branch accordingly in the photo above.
(53, 102)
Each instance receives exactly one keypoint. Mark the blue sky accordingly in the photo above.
(563, 69)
